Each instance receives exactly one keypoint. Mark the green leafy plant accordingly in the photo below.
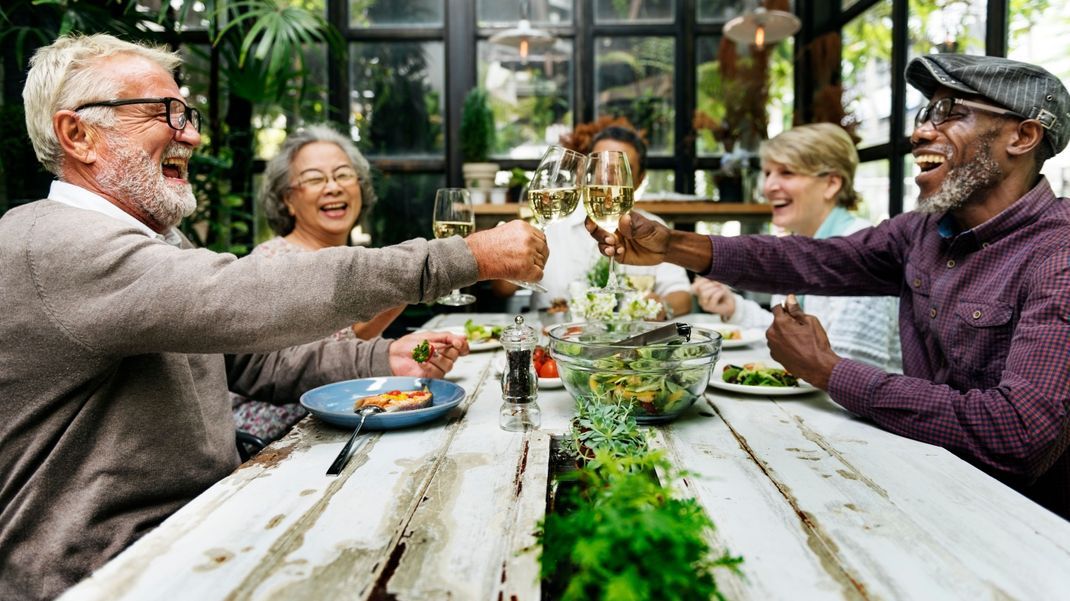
(627, 538)
(477, 126)
(605, 427)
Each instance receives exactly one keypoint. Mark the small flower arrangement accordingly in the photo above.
(595, 304)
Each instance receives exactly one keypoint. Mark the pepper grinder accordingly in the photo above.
(519, 410)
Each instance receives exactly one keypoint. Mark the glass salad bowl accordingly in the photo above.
(660, 380)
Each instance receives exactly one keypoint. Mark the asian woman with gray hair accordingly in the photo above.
(316, 189)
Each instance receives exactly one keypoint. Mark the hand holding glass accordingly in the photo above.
(554, 191)
(454, 217)
(607, 195)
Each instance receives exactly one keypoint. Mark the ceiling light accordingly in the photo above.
(761, 27)
(524, 38)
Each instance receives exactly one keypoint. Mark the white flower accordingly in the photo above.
(594, 304)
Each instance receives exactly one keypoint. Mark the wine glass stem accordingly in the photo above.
(611, 280)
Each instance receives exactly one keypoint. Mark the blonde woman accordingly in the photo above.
(809, 182)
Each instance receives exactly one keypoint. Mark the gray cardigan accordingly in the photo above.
(113, 388)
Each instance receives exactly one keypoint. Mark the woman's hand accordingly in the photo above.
(714, 297)
(447, 347)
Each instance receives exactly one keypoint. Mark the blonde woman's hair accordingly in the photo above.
(818, 149)
(65, 75)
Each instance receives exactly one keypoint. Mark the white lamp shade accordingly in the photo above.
(776, 25)
(536, 39)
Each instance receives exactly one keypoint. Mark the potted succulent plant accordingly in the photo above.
(477, 138)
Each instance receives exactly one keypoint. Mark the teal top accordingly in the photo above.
(838, 223)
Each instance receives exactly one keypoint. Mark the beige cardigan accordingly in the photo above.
(113, 389)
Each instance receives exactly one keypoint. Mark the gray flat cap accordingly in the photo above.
(1026, 89)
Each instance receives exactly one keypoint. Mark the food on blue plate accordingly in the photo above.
(396, 400)
(758, 374)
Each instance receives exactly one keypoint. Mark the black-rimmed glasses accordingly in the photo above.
(178, 112)
(939, 110)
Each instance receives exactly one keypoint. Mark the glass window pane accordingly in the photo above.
(404, 208)
(396, 97)
(495, 13)
(658, 181)
(872, 184)
(271, 122)
(719, 10)
(616, 11)
(1038, 36)
(193, 15)
(867, 72)
(532, 102)
(717, 99)
(910, 189)
(634, 79)
(390, 13)
(957, 26)
(194, 75)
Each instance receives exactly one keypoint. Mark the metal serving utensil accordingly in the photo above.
(343, 457)
(677, 331)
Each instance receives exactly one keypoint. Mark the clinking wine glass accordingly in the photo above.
(607, 195)
(554, 191)
(454, 217)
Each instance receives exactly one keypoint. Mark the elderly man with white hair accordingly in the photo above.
(113, 392)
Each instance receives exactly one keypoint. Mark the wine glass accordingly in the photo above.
(454, 216)
(607, 195)
(554, 191)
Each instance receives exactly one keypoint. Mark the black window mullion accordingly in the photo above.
(685, 99)
(900, 144)
(585, 73)
(338, 88)
(996, 28)
(460, 78)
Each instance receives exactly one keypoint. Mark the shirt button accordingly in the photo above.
(951, 263)
(984, 245)
(916, 282)
(932, 312)
(977, 315)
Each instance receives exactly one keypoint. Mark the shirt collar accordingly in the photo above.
(1023, 211)
(837, 221)
(79, 197)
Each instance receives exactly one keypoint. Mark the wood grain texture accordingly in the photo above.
(820, 504)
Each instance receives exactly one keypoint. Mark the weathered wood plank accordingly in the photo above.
(281, 528)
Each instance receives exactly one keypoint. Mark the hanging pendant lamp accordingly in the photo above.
(524, 38)
(761, 27)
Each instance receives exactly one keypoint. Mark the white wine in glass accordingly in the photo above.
(607, 195)
(454, 216)
(554, 191)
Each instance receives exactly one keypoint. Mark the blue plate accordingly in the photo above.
(333, 403)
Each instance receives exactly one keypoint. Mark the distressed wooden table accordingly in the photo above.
(821, 505)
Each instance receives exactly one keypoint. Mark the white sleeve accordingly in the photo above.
(864, 328)
(669, 278)
(749, 314)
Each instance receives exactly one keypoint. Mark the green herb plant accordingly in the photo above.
(627, 539)
(605, 427)
(477, 126)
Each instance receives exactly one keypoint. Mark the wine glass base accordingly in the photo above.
(457, 300)
(537, 287)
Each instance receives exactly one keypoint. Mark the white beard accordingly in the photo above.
(135, 177)
(964, 180)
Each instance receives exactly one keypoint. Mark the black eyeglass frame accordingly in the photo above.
(188, 115)
(928, 112)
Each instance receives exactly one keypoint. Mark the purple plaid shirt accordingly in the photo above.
(984, 320)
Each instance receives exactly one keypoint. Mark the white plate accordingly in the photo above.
(717, 381)
(483, 345)
(706, 321)
(547, 383)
